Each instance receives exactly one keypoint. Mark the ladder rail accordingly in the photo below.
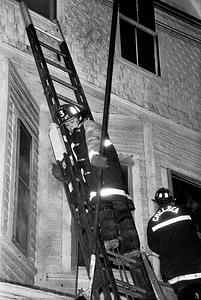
(47, 83)
(50, 94)
(156, 286)
(80, 95)
(76, 189)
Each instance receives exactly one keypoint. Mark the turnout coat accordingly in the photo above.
(86, 143)
(172, 234)
(116, 204)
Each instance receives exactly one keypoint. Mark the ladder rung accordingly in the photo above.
(58, 66)
(130, 286)
(68, 100)
(52, 49)
(70, 86)
(130, 292)
(47, 33)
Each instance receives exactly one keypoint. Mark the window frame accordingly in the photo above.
(182, 177)
(20, 123)
(52, 16)
(137, 26)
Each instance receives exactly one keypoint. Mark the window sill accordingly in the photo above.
(39, 20)
(134, 67)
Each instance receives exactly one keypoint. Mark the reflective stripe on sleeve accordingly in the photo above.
(109, 192)
(92, 153)
(171, 221)
(107, 143)
(184, 277)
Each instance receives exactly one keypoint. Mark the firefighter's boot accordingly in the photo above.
(129, 237)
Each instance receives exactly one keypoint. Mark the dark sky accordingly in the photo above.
(192, 7)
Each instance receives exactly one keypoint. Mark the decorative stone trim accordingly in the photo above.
(15, 291)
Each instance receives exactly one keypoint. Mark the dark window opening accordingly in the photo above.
(81, 262)
(146, 51)
(139, 42)
(188, 194)
(21, 220)
(46, 8)
(77, 256)
(128, 34)
(146, 13)
(129, 9)
(125, 177)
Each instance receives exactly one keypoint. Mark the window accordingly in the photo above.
(187, 193)
(46, 8)
(125, 171)
(23, 186)
(139, 43)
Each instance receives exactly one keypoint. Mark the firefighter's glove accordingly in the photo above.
(57, 173)
(99, 161)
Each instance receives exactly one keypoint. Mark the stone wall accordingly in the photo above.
(14, 264)
(86, 26)
(148, 114)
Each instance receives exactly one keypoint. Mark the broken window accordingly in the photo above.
(139, 41)
(23, 187)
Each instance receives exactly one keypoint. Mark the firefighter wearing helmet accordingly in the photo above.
(163, 195)
(116, 221)
(172, 235)
(117, 224)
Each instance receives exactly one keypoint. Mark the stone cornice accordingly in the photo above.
(173, 11)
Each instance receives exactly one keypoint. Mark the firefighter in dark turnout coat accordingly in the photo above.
(172, 235)
(117, 224)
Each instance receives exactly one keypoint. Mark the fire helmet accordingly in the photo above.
(69, 111)
(163, 195)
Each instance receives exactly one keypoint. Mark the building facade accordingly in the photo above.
(155, 123)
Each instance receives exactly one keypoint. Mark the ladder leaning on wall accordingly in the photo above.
(116, 276)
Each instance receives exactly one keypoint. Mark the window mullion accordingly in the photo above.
(156, 55)
(134, 23)
(137, 11)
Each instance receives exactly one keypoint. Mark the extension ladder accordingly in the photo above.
(116, 276)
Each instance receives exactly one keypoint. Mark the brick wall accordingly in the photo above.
(11, 25)
(174, 95)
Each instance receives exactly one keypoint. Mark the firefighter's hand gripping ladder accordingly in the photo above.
(116, 277)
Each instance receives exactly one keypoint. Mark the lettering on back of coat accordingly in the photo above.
(173, 209)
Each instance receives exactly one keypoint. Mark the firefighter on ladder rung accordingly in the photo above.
(116, 221)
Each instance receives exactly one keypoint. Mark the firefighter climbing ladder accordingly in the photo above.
(116, 277)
